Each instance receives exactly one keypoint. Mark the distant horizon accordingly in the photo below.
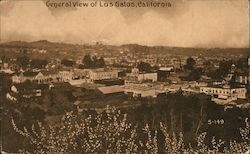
(91, 44)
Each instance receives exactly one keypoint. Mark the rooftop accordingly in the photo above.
(111, 89)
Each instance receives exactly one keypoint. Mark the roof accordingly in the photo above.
(225, 86)
(102, 70)
(166, 68)
(147, 73)
(111, 89)
(30, 74)
(138, 87)
(50, 72)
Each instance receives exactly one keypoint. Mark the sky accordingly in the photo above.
(188, 23)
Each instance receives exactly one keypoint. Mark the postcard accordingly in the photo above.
(124, 76)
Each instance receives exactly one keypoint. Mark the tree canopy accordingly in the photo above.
(23, 61)
(93, 62)
(144, 67)
(39, 63)
(67, 63)
(223, 70)
(190, 63)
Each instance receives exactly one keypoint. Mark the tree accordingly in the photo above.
(46, 101)
(59, 102)
(87, 61)
(144, 67)
(242, 63)
(23, 61)
(39, 63)
(195, 75)
(93, 62)
(190, 63)
(101, 62)
(5, 82)
(223, 70)
(67, 63)
(111, 132)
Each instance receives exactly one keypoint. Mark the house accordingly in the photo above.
(26, 90)
(80, 73)
(40, 77)
(11, 97)
(65, 75)
(29, 89)
(77, 77)
(147, 76)
(164, 72)
(5, 68)
(243, 78)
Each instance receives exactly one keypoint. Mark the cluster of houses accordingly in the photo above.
(44, 77)
(26, 91)
(225, 93)
(136, 83)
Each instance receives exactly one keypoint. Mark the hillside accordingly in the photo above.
(56, 49)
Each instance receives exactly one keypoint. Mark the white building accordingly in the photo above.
(30, 76)
(243, 79)
(147, 76)
(102, 74)
(224, 94)
(43, 77)
(140, 90)
(135, 76)
(65, 76)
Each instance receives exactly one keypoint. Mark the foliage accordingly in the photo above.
(242, 63)
(190, 63)
(194, 75)
(144, 67)
(67, 63)
(110, 132)
(5, 82)
(23, 61)
(223, 70)
(39, 63)
(93, 62)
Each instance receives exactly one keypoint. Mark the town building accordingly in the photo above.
(243, 78)
(224, 94)
(102, 74)
(43, 77)
(164, 72)
(140, 90)
(107, 90)
(135, 76)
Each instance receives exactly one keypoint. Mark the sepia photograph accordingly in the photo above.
(124, 76)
